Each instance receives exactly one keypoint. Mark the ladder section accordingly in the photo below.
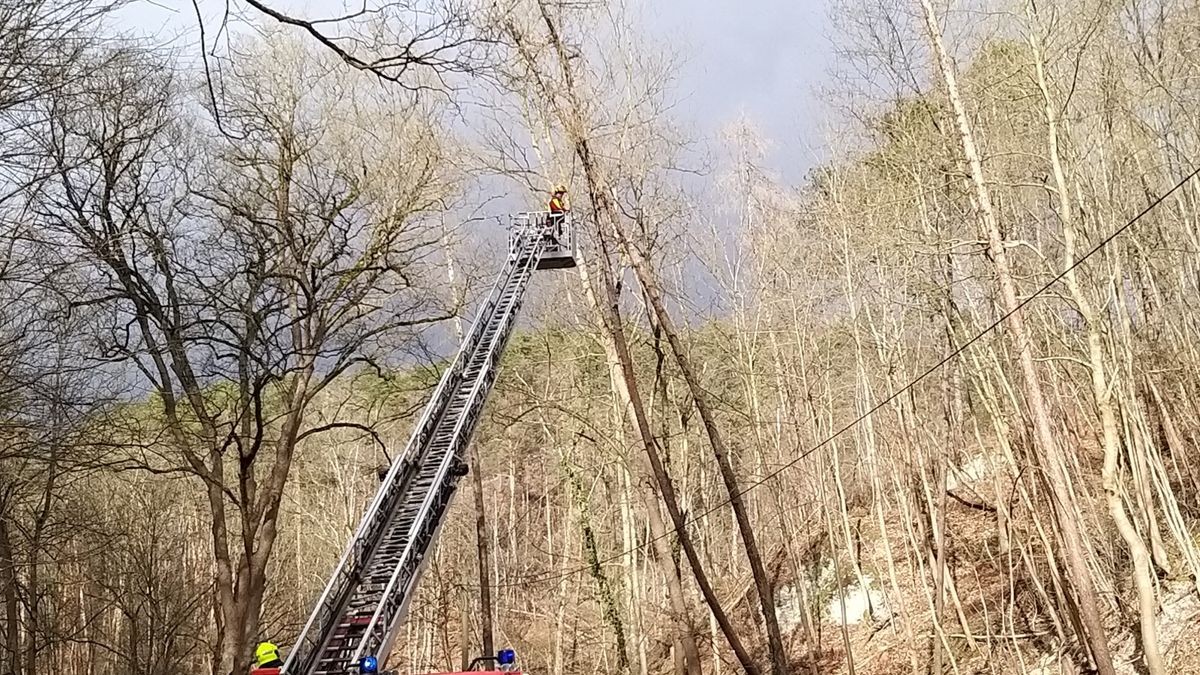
(360, 610)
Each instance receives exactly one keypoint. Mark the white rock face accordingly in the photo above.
(974, 469)
(787, 608)
(862, 603)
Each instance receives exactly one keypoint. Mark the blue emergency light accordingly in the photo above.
(368, 665)
(506, 657)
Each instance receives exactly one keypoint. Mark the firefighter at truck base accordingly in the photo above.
(266, 655)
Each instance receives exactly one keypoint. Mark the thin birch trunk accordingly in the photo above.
(571, 116)
(1101, 393)
(685, 630)
(734, 491)
(1051, 460)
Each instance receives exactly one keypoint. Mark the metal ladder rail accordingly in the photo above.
(384, 625)
(373, 590)
(340, 586)
(358, 552)
(459, 452)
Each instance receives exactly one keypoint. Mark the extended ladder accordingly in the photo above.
(364, 602)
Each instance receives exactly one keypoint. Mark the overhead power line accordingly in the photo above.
(1102, 244)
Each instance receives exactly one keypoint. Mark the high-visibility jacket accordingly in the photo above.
(557, 205)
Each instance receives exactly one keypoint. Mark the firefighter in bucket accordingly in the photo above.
(558, 213)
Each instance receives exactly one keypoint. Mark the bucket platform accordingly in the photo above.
(559, 231)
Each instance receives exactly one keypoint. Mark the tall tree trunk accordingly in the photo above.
(591, 554)
(1101, 392)
(612, 321)
(1047, 452)
(482, 555)
(791, 406)
(685, 630)
(635, 599)
(952, 415)
(241, 579)
(12, 607)
(762, 582)
(573, 122)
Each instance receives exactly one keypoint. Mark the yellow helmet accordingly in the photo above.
(560, 188)
(265, 653)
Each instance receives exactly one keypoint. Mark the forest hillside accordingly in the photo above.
(930, 409)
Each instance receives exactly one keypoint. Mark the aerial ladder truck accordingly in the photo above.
(358, 615)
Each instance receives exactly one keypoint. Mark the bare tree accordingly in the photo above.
(239, 280)
(1054, 472)
(566, 106)
(413, 45)
(40, 41)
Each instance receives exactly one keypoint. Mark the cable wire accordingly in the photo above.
(1103, 243)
